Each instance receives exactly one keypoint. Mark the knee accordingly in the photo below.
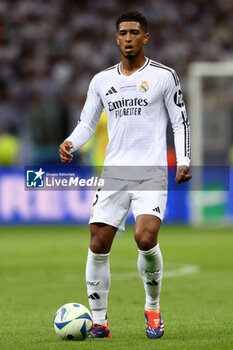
(101, 239)
(146, 239)
(98, 245)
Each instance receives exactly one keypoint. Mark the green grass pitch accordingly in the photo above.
(42, 268)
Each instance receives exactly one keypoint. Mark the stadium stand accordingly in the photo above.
(50, 49)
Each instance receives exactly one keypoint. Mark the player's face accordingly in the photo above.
(131, 38)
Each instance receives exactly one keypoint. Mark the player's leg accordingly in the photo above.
(150, 262)
(150, 266)
(108, 214)
(98, 276)
(148, 208)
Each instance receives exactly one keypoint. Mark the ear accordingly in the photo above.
(146, 38)
(117, 39)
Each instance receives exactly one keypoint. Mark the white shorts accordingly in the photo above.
(111, 207)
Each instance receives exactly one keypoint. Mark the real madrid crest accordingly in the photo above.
(144, 86)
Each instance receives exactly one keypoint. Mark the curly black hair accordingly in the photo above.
(132, 16)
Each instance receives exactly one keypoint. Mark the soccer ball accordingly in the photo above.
(73, 322)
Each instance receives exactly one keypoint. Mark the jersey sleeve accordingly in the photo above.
(89, 118)
(175, 106)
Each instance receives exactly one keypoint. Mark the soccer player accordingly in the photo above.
(138, 95)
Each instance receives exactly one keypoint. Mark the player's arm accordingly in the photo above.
(86, 127)
(174, 103)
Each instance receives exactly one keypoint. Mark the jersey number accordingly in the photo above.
(96, 197)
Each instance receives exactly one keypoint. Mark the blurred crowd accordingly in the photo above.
(50, 49)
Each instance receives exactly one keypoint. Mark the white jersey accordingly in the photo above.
(138, 107)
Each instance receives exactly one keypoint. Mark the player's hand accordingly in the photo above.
(64, 151)
(183, 174)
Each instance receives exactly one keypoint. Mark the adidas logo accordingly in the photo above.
(94, 296)
(152, 283)
(156, 209)
(111, 91)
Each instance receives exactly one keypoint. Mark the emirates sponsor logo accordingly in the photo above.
(127, 106)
